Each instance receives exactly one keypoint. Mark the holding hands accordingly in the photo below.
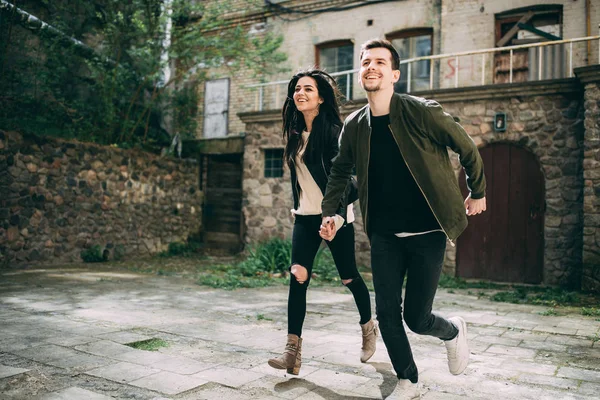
(328, 229)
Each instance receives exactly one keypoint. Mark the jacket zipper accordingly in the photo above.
(368, 163)
(419, 186)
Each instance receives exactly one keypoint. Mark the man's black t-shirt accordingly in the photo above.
(396, 204)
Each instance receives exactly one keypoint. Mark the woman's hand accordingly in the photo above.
(328, 229)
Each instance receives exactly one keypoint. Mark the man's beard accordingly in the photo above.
(375, 88)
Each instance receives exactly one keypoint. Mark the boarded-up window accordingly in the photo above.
(524, 26)
(216, 108)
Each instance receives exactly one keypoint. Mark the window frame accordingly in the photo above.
(514, 15)
(410, 33)
(330, 45)
(270, 151)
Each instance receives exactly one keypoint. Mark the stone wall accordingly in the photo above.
(543, 117)
(59, 198)
(267, 201)
(590, 76)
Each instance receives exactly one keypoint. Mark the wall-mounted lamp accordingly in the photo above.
(500, 122)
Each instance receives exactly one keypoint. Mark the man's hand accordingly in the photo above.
(474, 206)
(328, 229)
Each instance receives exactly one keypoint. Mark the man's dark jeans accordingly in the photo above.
(419, 257)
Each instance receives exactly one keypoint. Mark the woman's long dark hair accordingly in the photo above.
(327, 123)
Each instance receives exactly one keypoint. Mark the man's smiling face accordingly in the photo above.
(376, 71)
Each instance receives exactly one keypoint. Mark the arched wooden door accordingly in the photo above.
(506, 243)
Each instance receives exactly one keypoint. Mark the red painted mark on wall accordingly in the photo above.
(462, 66)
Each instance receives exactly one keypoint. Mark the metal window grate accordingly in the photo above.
(273, 163)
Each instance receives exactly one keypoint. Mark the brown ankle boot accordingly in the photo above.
(369, 340)
(291, 360)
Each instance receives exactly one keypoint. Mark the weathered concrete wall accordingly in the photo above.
(458, 25)
(545, 118)
(59, 198)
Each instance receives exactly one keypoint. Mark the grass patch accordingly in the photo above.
(453, 282)
(231, 277)
(551, 297)
(261, 317)
(150, 345)
(525, 294)
(551, 312)
(590, 311)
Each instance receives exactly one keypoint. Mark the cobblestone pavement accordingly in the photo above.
(63, 334)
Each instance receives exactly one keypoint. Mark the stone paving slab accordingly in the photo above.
(169, 382)
(73, 393)
(218, 345)
(123, 372)
(6, 371)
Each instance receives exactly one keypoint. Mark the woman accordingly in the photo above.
(311, 127)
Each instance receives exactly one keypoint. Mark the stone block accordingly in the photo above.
(579, 374)
(73, 393)
(123, 372)
(169, 383)
(6, 371)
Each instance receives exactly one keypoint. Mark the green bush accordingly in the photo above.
(181, 249)
(273, 256)
(93, 254)
(266, 265)
(324, 266)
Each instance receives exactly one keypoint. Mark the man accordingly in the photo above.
(410, 203)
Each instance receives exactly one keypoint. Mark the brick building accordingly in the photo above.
(533, 111)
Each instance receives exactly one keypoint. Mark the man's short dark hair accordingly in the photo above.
(386, 44)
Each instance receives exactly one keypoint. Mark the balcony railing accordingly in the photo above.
(527, 62)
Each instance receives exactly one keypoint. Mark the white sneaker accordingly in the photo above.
(406, 390)
(458, 348)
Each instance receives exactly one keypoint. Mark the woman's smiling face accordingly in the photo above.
(306, 95)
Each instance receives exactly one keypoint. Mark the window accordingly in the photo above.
(410, 44)
(336, 57)
(273, 163)
(529, 25)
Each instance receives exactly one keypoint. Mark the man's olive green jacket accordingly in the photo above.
(423, 132)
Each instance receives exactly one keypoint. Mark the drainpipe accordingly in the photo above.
(588, 26)
(437, 40)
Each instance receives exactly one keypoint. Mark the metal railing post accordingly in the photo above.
(483, 69)
(409, 79)
(430, 74)
(260, 97)
(570, 59)
(348, 86)
(456, 72)
(540, 56)
(510, 67)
